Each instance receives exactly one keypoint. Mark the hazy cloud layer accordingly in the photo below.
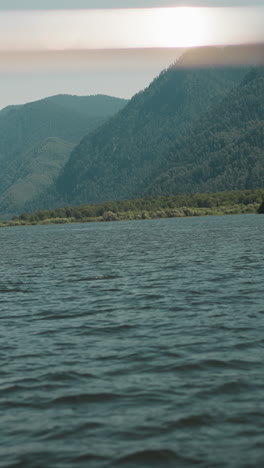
(27, 76)
(75, 4)
(136, 28)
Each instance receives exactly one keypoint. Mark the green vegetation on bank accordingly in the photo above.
(205, 204)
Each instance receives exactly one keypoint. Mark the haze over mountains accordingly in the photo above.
(194, 129)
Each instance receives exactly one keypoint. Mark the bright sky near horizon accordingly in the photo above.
(46, 49)
(129, 28)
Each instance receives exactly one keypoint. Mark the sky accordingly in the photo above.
(109, 46)
(77, 4)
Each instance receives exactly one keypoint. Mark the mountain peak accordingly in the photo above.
(231, 56)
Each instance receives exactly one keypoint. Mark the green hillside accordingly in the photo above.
(24, 131)
(38, 169)
(121, 158)
(225, 149)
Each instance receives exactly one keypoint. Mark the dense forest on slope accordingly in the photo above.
(201, 204)
(225, 149)
(122, 157)
(36, 140)
(37, 171)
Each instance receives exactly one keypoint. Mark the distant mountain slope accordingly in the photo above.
(100, 105)
(225, 150)
(66, 117)
(38, 169)
(24, 129)
(121, 158)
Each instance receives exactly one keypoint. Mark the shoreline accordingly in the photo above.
(108, 216)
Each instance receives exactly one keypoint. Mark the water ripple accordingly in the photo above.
(133, 344)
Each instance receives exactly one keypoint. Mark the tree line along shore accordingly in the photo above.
(199, 204)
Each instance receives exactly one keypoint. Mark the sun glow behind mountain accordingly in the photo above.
(48, 30)
(114, 51)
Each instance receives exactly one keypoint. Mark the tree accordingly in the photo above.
(261, 208)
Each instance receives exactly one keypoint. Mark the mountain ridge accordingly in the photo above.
(121, 157)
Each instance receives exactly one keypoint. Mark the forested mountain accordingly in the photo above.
(224, 150)
(36, 140)
(198, 127)
(121, 158)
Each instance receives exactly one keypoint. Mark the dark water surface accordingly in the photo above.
(133, 344)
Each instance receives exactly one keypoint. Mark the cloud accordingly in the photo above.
(129, 28)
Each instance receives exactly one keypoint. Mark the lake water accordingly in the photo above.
(133, 344)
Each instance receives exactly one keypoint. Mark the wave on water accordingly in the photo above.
(133, 345)
(95, 278)
(168, 458)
